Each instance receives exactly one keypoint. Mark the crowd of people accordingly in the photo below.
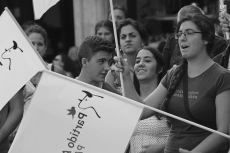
(187, 76)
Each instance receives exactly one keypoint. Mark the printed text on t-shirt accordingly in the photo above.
(191, 94)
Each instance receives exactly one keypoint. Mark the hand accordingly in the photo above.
(122, 66)
(153, 149)
(113, 70)
(224, 19)
(186, 151)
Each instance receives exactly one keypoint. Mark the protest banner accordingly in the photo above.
(19, 61)
(69, 116)
(41, 6)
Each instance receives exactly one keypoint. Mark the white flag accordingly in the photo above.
(69, 116)
(19, 61)
(41, 6)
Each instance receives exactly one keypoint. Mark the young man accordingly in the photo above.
(94, 56)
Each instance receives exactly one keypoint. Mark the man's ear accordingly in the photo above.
(84, 62)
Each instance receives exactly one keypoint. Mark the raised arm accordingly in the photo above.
(14, 116)
(154, 100)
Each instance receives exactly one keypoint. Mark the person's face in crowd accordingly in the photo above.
(39, 43)
(145, 65)
(98, 66)
(191, 45)
(130, 39)
(119, 16)
(58, 61)
(73, 53)
(105, 33)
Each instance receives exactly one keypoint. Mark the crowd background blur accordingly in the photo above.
(68, 23)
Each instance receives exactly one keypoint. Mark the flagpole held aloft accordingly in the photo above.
(116, 42)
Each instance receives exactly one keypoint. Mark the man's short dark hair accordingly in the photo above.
(93, 44)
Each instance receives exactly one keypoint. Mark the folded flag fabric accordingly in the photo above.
(41, 6)
(19, 61)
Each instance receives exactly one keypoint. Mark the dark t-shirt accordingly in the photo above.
(202, 92)
(172, 52)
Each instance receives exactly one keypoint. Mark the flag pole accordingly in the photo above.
(116, 42)
(182, 119)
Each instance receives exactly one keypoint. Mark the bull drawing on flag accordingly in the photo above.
(72, 111)
(15, 46)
